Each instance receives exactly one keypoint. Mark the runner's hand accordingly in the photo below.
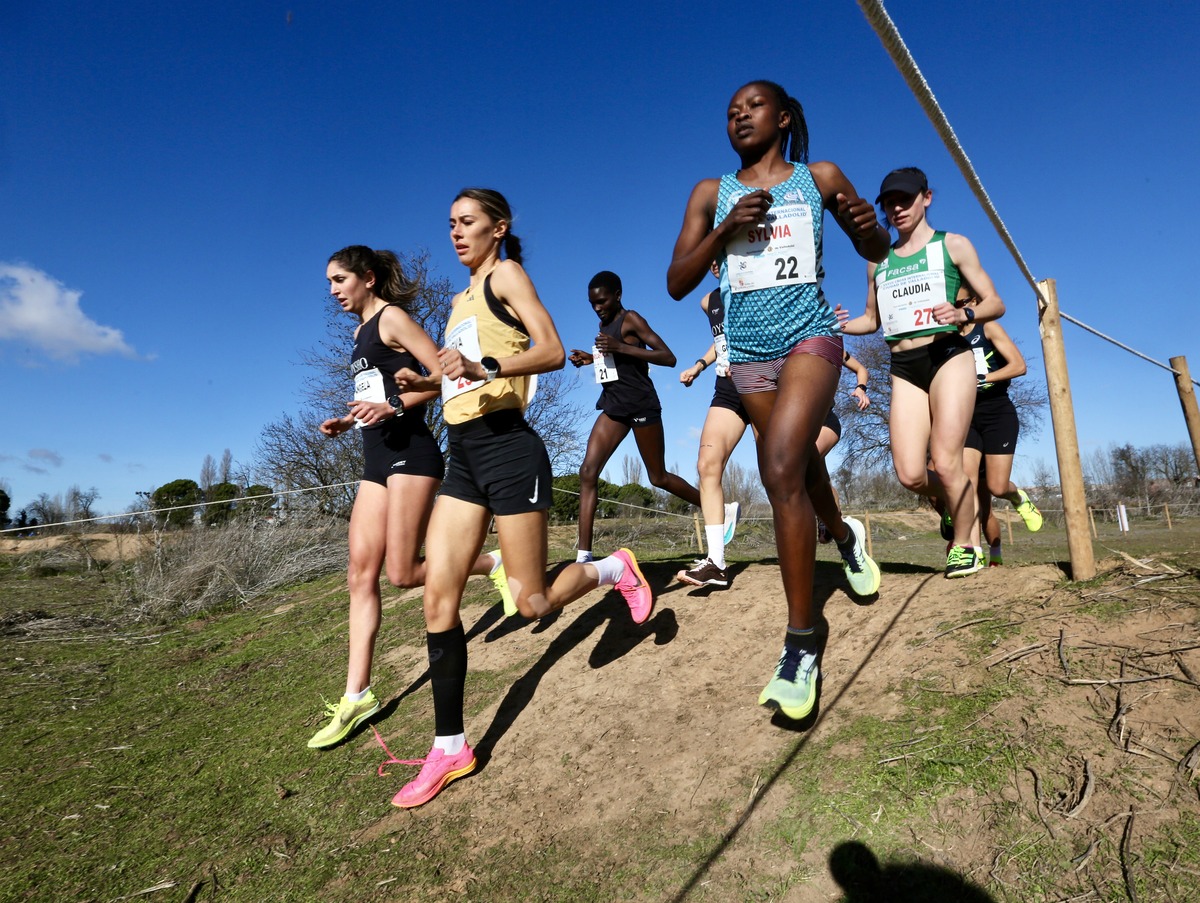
(580, 358)
(857, 217)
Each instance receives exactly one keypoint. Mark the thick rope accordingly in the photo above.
(889, 35)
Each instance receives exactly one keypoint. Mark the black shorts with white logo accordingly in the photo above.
(400, 445)
(498, 462)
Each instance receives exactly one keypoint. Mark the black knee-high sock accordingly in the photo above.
(448, 674)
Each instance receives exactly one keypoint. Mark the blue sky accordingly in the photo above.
(174, 176)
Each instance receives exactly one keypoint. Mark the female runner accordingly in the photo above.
(402, 464)
(912, 293)
(992, 438)
(498, 337)
(763, 224)
(724, 426)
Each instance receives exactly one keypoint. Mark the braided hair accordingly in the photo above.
(796, 137)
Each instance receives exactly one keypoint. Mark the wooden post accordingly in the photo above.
(1187, 400)
(1008, 523)
(1167, 515)
(1092, 518)
(1066, 440)
(699, 534)
(867, 530)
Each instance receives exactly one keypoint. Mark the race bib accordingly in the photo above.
(721, 345)
(981, 370)
(782, 251)
(907, 294)
(368, 386)
(465, 338)
(604, 366)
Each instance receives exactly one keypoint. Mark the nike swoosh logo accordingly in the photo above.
(1005, 445)
(535, 490)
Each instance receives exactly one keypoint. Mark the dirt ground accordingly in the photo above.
(659, 723)
(616, 728)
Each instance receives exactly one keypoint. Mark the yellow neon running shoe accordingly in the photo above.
(346, 716)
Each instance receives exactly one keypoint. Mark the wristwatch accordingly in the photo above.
(491, 368)
(970, 314)
(397, 404)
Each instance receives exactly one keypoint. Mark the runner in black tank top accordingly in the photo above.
(402, 462)
(627, 402)
(992, 438)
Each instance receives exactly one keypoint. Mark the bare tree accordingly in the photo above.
(631, 470)
(208, 473)
(225, 474)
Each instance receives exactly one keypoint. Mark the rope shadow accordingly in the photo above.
(732, 834)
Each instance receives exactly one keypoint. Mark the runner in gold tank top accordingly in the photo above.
(498, 338)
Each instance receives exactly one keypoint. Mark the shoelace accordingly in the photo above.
(789, 663)
(958, 555)
(391, 759)
(850, 556)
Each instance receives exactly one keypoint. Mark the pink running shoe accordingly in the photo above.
(634, 588)
(438, 769)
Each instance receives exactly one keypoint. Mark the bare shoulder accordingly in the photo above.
(829, 178)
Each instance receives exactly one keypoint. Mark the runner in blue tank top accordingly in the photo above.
(763, 225)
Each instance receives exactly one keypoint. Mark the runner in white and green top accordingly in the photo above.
(910, 294)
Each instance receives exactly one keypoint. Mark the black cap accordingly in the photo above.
(902, 181)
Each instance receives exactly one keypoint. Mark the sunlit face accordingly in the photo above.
(351, 291)
(474, 234)
(605, 303)
(905, 211)
(754, 117)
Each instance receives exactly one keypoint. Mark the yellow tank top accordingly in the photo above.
(481, 326)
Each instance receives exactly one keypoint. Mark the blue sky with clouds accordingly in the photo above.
(174, 176)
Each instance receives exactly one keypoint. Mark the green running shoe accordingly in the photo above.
(793, 689)
(499, 578)
(962, 561)
(346, 717)
(1029, 512)
(861, 570)
(946, 528)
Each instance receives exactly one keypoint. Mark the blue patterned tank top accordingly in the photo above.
(778, 267)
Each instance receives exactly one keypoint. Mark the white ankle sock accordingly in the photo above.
(451, 746)
(714, 537)
(583, 556)
(610, 570)
(360, 695)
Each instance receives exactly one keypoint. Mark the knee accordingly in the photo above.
(781, 481)
(912, 480)
(657, 478)
(361, 575)
(709, 468)
(404, 576)
(589, 473)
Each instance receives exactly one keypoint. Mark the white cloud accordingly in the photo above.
(46, 455)
(38, 309)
